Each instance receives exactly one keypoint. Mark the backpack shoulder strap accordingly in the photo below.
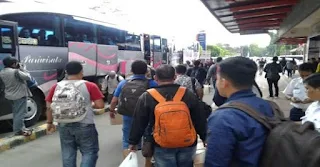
(156, 95)
(118, 79)
(179, 94)
(276, 109)
(250, 111)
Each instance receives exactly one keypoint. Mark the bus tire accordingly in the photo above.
(35, 107)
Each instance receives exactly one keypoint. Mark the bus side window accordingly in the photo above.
(111, 36)
(133, 42)
(6, 35)
(79, 31)
(40, 29)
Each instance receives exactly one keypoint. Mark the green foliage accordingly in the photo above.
(220, 50)
(277, 49)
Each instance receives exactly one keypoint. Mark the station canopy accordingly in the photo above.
(258, 16)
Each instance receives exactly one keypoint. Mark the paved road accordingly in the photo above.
(45, 152)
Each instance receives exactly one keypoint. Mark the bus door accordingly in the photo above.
(165, 51)
(156, 53)
(147, 48)
(8, 47)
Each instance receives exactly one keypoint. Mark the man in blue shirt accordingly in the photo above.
(127, 94)
(234, 138)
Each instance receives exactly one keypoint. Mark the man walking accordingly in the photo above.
(197, 72)
(176, 116)
(71, 103)
(191, 83)
(15, 80)
(127, 94)
(272, 74)
(235, 138)
(212, 72)
(110, 84)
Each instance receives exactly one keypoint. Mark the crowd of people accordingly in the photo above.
(163, 111)
(164, 115)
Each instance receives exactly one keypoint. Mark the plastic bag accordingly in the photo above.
(130, 161)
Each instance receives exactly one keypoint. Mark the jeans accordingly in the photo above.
(275, 84)
(82, 136)
(19, 110)
(174, 157)
(296, 114)
(126, 127)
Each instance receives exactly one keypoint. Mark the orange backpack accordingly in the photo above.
(173, 124)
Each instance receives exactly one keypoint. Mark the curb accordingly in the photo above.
(8, 143)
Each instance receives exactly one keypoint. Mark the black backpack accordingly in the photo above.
(206, 108)
(273, 71)
(130, 93)
(288, 143)
(198, 73)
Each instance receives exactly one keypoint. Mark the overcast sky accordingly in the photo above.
(181, 19)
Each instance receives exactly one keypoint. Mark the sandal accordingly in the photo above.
(25, 133)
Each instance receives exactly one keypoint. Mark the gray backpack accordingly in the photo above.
(68, 103)
(130, 93)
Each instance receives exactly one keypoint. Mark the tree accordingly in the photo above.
(244, 50)
(277, 49)
(217, 51)
(256, 51)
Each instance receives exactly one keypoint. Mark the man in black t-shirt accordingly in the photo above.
(197, 72)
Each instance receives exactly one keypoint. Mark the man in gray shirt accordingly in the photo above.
(212, 72)
(16, 90)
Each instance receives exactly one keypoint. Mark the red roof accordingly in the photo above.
(250, 16)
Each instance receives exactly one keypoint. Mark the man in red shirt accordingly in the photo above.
(71, 103)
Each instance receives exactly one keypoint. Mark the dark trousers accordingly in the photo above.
(289, 72)
(296, 114)
(275, 84)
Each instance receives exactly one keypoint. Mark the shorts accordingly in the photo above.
(126, 127)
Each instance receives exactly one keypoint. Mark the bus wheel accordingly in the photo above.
(34, 110)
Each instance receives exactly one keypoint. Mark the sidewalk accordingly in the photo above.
(10, 141)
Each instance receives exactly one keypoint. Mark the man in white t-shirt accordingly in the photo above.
(313, 89)
(297, 93)
(110, 84)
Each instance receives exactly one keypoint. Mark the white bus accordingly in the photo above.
(297, 58)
